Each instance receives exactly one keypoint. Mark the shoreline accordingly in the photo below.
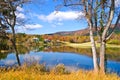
(4, 51)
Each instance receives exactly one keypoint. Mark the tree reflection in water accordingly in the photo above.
(111, 53)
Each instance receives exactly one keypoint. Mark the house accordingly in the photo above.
(35, 39)
(47, 40)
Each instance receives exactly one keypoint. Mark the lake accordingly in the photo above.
(72, 58)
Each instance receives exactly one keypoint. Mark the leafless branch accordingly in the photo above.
(110, 34)
(109, 19)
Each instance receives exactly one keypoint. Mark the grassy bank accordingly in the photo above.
(88, 45)
(38, 72)
(31, 75)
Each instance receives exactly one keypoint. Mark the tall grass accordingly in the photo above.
(39, 72)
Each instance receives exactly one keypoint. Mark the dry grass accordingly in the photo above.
(34, 73)
(80, 75)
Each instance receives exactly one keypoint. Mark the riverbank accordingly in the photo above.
(88, 45)
(38, 73)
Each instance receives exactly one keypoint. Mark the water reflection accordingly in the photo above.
(74, 58)
(111, 53)
(50, 59)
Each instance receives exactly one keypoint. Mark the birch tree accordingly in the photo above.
(99, 15)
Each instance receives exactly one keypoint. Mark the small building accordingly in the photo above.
(47, 40)
(35, 39)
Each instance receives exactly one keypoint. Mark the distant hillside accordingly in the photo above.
(77, 32)
(82, 32)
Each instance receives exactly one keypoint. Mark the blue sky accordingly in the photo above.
(42, 18)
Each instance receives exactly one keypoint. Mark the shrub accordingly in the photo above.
(3, 45)
(60, 69)
(37, 68)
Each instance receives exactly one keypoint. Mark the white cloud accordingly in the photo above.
(60, 16)
(117, 3)
(23, 29)
(33, 26)
(56, 18)
(59, 23)
(20, 9)
(20, 15)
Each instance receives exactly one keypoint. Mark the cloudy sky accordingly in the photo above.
(42, 18)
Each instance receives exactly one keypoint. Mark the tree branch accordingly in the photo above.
(6, 19)
(110, 34)
(109, 20)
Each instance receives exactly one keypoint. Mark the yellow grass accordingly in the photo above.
(31, 75)
(88, 45)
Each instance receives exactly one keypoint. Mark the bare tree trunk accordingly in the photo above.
(14, 46)
(94, 52)
(102, 56)
(104, 37)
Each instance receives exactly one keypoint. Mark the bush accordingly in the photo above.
(37, 68)
(72, 41)
(3, 45)
(60, 69)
